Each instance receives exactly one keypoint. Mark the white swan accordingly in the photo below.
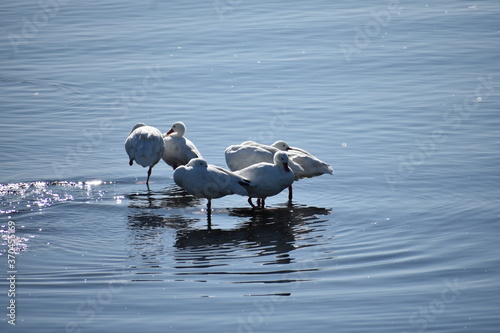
(267, 179)
(178, 149)
(249, 152)
(303, 163)
(311, 165)
(209, 181)
(145, 145)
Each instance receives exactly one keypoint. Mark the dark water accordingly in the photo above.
(402, 98)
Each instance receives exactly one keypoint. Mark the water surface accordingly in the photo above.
(400, 98)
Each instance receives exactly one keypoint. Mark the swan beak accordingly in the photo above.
(170, 132)
(285, 165)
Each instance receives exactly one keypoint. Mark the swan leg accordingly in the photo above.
(251, 203)
(262, 203)
(209, 205)
(290, 193)
(131, 162)
(149, 175)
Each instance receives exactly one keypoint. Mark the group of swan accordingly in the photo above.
(257, 170)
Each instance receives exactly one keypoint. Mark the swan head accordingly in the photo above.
(281, 158)
(281, 145)
(197, 162)
(178, 129)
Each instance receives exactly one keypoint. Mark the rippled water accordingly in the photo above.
(401, 98)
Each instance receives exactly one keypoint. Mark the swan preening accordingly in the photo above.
(204, 180)
(145, 145)
(303, 163)
(257, 170)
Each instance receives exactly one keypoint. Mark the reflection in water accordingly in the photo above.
(272, 229)
(253, 250)
(147, 241)
(148, 227)
(266, 237)
(172, 197)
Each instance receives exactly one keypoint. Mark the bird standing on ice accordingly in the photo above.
(145, 145)
(208, 181)
(267, 179)
(178, 149)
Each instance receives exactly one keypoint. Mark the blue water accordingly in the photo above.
(401, 98)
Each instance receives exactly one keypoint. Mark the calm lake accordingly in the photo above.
(400, 97)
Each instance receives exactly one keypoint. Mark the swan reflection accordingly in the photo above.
(270, 233)
(240, 245)
(173, 197)
(147, 241)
